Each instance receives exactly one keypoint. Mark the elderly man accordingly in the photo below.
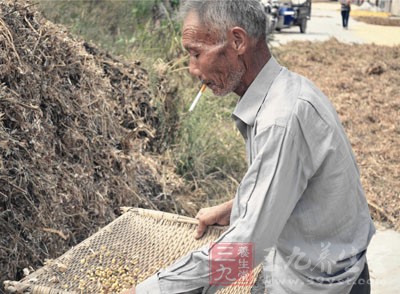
(301, 200)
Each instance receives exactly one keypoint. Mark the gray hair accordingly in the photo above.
(222, 15)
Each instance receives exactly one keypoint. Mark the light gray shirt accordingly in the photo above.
(301, 200)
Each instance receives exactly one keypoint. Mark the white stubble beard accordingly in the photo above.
(234, 80)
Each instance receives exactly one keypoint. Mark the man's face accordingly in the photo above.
(216, 64)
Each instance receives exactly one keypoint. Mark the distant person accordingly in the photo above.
(345, 10)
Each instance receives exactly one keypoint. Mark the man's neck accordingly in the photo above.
(254, 62)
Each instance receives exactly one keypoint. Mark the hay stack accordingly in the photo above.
(74, 127)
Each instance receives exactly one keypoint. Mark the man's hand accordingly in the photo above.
(215, 215)
(130, 291)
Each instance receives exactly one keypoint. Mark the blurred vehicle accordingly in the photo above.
(271, 8)
(285, 14)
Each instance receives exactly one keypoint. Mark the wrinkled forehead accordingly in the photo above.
(194, 31)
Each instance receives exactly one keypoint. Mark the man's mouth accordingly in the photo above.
(210, 85)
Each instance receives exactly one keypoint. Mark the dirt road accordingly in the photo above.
(325, 23)
(384, 261)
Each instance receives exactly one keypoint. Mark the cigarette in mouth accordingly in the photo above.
(203, 87)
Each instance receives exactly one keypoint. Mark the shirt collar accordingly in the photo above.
(248, 106)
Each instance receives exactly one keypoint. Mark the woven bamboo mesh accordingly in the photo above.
(127, 251)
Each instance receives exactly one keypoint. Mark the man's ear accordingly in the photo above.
(240, 39)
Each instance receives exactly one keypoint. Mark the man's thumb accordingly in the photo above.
(201, 228)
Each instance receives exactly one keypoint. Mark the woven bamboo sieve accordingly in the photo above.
(127, 251)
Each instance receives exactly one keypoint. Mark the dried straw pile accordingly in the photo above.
(380, 21)
(363, 81)
(74, 127)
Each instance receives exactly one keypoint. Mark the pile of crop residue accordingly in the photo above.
(75, 124)
(372, 17)
(363, 82)
(381, 21)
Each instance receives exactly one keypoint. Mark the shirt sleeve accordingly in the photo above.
(149, 286)
(263, 203)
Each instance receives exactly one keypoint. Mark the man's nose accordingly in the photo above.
(194, 69)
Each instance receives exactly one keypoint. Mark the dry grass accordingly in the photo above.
(76, 127)
(367, 13)
(375, 18)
